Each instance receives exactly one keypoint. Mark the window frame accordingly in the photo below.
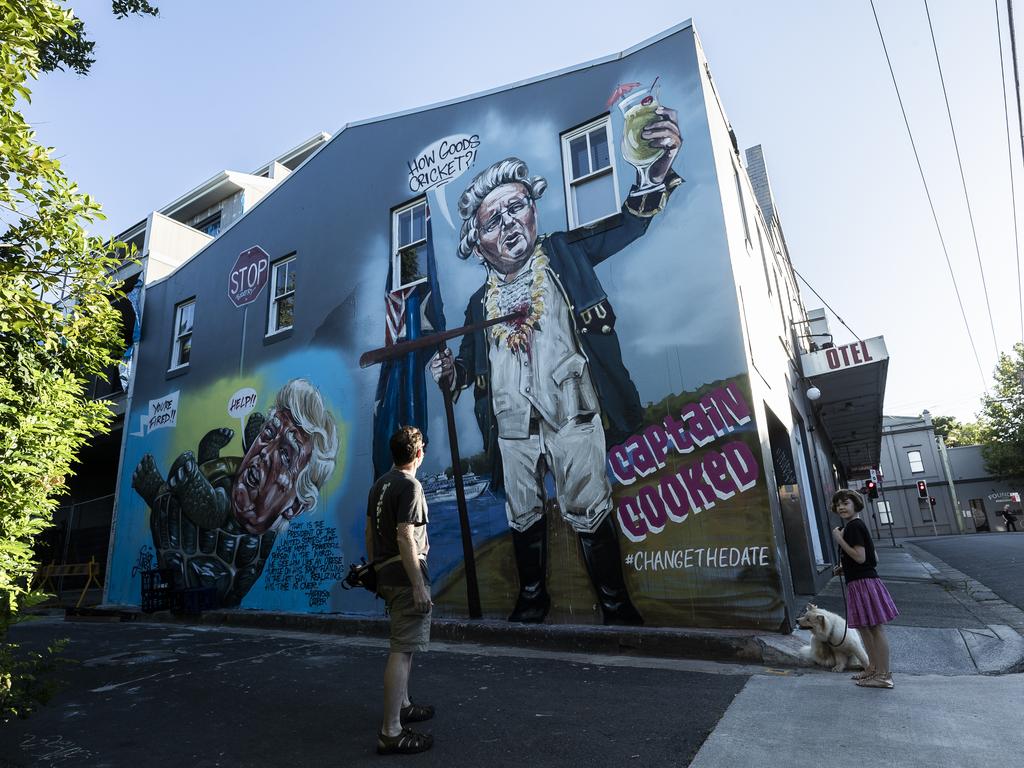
(743, 215)
(570, 184)
(396, 264)
(177, 338)
(884, 509)
(207, 220)
(273, 298)
(911, 462)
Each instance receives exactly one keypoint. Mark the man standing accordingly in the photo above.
(551, 389)
(1010, 519)
(396, 542)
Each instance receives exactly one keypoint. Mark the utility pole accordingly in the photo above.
(944, 457)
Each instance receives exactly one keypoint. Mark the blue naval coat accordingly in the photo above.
(572, 258)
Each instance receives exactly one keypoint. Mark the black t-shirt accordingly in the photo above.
(397, 497)
(856, 534)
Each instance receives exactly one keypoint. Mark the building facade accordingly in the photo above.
(958, 494)
(163, 241)
(633, 435)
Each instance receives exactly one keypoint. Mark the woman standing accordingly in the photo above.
(869, 605)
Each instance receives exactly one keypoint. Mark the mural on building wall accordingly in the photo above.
(214, 519)
(572, 460)
(611, 463)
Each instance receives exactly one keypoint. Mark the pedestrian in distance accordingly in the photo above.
(869, 605)
(397, 545)
(1010, 519)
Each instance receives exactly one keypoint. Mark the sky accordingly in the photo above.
(208, 86)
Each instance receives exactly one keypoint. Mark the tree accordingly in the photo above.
(48, 348)
(71, 49)
(1002, 418)
(955, 432)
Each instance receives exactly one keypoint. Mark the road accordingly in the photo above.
(167, 695)
(994, 559)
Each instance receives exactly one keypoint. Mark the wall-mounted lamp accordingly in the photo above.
(813, 393)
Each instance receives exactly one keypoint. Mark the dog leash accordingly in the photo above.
(842, 587)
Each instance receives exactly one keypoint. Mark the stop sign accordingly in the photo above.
(248, 276)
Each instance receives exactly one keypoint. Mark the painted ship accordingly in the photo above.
(440, 488)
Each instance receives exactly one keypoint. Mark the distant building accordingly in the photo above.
(650, 355)
(958, 496)
(981, 496)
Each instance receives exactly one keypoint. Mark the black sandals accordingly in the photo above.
(408, 742)
(416, 713)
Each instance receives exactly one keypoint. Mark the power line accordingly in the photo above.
(928, 194)
(963, 179)
(1020, 121)
(826, 304)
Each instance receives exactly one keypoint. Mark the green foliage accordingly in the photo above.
(71, 49)
(1002, 418)
(48, 348)
(27, 678)
(955, 432)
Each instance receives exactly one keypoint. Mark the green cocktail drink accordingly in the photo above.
(635, 149)
(639, 109)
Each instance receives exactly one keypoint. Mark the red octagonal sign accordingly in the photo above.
(248, 276)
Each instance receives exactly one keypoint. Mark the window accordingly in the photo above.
(409, 244)
(927, 511)
(916, 465)
(210, 225)
(589, 168)
(282, 295)
(760, 246)
(184, 317)
(884, 512)
(743, 213)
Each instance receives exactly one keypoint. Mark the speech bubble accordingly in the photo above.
(241, 404)
(163, 414)
(441, 163)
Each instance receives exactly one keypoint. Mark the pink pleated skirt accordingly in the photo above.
(868, 603)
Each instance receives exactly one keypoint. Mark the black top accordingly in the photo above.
(856, 534)
(397, 497)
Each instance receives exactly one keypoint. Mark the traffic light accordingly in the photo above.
(922, 489)
(932, 500)
(872, 488)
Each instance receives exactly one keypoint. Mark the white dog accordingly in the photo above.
(828, 646)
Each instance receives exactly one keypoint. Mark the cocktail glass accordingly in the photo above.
(638, 110)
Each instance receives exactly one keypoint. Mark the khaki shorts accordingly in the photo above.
(410, 629)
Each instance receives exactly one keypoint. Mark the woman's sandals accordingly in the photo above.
(864, 675)
(876, 681)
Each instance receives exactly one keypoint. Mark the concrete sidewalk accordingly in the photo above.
(942, 629)
(807, 721)
(944, 711)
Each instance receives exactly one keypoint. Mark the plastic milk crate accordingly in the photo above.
(195, 600)
(157, 590)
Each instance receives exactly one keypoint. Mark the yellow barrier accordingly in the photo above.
(52, 571)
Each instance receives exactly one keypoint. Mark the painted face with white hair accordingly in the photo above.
(265, 486)
(507, 225)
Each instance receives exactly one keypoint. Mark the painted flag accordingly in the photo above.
(401, 399)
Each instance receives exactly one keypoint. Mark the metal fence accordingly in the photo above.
(80, 531)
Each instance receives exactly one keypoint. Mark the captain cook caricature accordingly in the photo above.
(550, 388)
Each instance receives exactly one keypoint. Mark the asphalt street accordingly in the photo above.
(164, 695)
(994, 559)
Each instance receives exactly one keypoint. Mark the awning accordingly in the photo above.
(851, 378)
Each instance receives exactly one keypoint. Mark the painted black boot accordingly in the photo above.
(531, 547)
(604, 564)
